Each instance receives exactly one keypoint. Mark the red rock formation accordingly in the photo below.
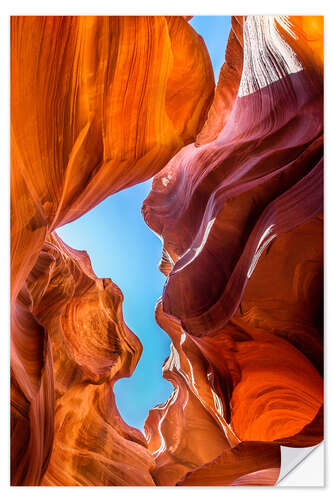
(95, 107)
(227, 85)
(185, 432)
(239, 213)
(237, 467)
(84, 347)
(99, 104)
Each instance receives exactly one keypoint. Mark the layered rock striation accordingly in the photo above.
(97, 104)
(240, 216)
(76, 436)
(102, 103)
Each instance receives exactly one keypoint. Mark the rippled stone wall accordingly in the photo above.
(102, 103)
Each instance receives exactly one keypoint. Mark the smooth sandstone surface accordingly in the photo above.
(240, 216)
(84, 347)
(102, 103)
(97, 104)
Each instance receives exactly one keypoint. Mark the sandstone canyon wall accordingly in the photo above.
(99, 104)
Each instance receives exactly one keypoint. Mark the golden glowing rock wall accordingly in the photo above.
(98, 104)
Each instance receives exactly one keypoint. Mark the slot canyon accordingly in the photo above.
(101, 104)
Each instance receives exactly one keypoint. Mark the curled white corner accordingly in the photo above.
(300, 469)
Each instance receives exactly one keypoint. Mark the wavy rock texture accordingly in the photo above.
(98, 104)
(75, 320)
(240, 216)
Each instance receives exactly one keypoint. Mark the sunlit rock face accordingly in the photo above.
(98, 104)
(240, 215)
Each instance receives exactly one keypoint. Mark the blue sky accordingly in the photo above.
(215, 31)
(123, 248)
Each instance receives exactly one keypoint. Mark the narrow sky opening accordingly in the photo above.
(122, 247)
(215, 32)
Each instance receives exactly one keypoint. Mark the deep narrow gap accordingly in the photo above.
(122, 247)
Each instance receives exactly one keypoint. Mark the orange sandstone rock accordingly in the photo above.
(83, 346)
(240, 216)
(97, 104)
(247, 464)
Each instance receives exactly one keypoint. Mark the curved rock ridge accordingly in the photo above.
(97, 104)
(102, 103)
(240, 216)
(187, 431)
(245, 387)
(227, 85)
(75, 322)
